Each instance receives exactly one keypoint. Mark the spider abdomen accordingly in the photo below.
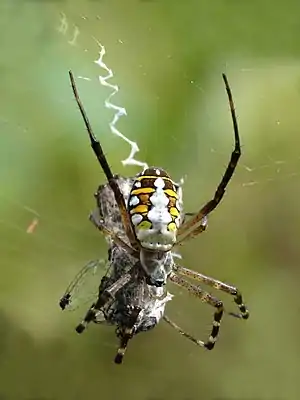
(154, 209)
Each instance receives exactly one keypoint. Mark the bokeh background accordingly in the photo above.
(167, 58)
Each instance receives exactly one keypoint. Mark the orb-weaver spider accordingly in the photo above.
(153, 223)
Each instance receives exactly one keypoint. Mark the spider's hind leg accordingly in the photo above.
(206, 298)
(218, 285)
(182, 332)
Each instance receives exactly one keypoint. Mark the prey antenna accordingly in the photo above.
(97, 148)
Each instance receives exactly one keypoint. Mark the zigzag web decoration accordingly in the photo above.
(119, 111)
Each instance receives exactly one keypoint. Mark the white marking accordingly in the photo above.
(119, 111)
(204, 221)
(157, 172)
(136, 219)
(134, 201)
(216, 323)
(159, 217)
(156, 246)
(137, 184)
(159, 183)
(212, 339)
(177, 221)
(160, 200)
(158, 237)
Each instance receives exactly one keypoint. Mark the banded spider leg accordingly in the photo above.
(206, 298)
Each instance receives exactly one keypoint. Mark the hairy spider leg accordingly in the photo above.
(182, 332)
(195, 232)
(107, 232)
(206, 298)
(218, 285)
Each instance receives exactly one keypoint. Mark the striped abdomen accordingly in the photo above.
(154, 209)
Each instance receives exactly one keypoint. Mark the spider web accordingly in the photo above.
(267, 103)
(266, 170)
(271, 170)
(103, 80)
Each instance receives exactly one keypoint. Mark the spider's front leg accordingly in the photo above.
(99, 224)
(218, 285)
(194, 224)
(192, 234)
(206, 298)
(97, 148)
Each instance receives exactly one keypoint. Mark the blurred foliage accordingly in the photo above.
(167, 57)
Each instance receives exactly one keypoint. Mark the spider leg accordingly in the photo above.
(96, 146)
(107, 232)
(224, 287)
(195, 232)
(235, 155)
(104, 297)
(126, 335)
(182, 332)
(206, 298)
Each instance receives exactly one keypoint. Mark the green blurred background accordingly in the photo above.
(167, 57)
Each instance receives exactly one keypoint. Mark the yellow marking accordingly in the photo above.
(174, 212)
(139, 209)
(142, 191)
(145, 225)
(140, 178)
(171, 193)
(172, 227)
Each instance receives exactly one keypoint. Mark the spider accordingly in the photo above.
(153, 223)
